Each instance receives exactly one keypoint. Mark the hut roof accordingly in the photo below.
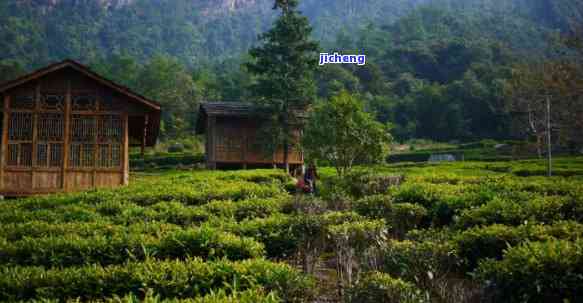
(154, 119)
(231, 109)
(228, 109)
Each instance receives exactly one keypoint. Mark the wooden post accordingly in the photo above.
(210, 153)
(5, 125)
(244, 145)
(35, 117)
(145, 135)
(126, 149)
(95, 151)
(67, 137)
(549, 142)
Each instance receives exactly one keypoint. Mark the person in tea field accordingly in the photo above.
(301, 185)
(310, 177)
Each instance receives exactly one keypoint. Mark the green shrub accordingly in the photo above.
(221, 296)
(549, 271)
(118, 248)
(405, 217)
(177, 213)
(202, 192)
(264, 176)
(376, 287)
(501, 210)
(375, 207)
(209, 243)
(275, 232)
(362, 183)
(419, 261)
(304, 204)
(247, 209)
(169, 279)
(358, 235)
(479, 243)
(476, 244)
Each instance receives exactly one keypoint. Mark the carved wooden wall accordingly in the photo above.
(237, 140)
(62, 133)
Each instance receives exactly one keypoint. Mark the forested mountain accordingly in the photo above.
(39, 31)
(435, 68)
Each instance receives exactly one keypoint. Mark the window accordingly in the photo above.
(96, 141)
(20, 139)
(109, 138)
(49, 148)
(24, 118)
(37, 131)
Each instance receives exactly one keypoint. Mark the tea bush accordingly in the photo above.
(118, 248)
(545, 209)
(405, 217)
(375, 287)
(490, 242)
(247, 209)
(221, 296)
(375, 206)
(168, 279)
(419, 262)
(450, 229)
(275, 232)
(548, 271)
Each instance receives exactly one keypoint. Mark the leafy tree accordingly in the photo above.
(283, 67)
(166, 80)
(10, 69)
(340, 132)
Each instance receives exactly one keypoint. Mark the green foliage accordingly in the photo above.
(490, 242)
(247, 209)
(374, 287)
(169, 279)
(548, 271)
(341, 132)
(405, 217)
(457, 225)
(421, 262)
(376, 206)
(358, 235)
(247, 296)
(276, 232)
(118, 247)
(283, 67)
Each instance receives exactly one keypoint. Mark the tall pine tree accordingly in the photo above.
(283, 67)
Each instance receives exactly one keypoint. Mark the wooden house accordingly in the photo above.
(65, 128)
(232, 133)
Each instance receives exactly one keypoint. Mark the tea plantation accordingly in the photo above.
(453, 232)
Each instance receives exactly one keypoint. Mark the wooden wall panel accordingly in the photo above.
(108, 179)
(79, 180)
(18, 181)
(47, 180)
(235, 140)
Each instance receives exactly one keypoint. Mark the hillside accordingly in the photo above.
(436, 69)
(37, 32)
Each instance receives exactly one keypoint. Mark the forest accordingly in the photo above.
(436, 69)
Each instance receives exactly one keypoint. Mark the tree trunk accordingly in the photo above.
(549, 143)
(286, 156)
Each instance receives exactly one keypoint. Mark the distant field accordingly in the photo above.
(458, 232)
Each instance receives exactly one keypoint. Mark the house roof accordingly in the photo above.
(84, 70)
(231, 109)
(228, 109)
(153, 106)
